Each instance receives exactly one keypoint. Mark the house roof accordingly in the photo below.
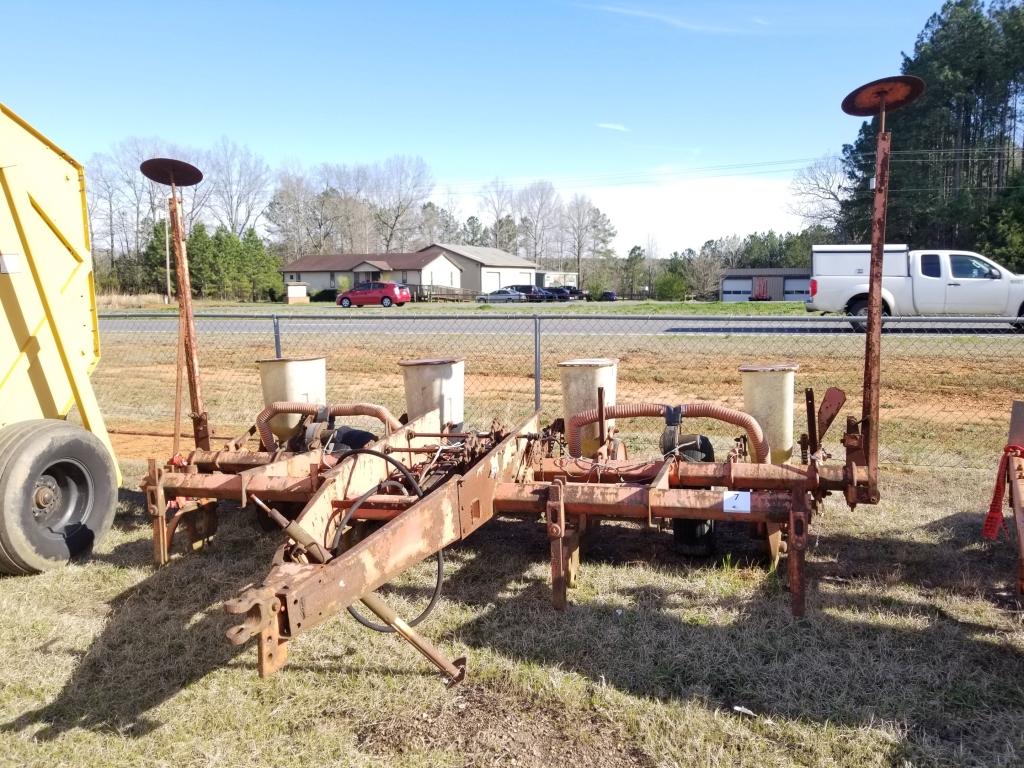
(488, 257)
(346, 262)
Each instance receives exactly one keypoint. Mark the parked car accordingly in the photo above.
(501, 296)
(384, 294)
(576, 294)
(608, 296)
(533, 293)
(560, 294)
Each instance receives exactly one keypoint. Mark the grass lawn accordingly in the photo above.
(911, 653)
(153, 303)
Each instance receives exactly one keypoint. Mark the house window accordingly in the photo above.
(294, 276)
(405, 276)
(332, 280)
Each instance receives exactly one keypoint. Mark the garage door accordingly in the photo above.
(490, 281)
(736, 289)
(797, 289)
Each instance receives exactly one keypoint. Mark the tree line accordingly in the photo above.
(332, 208)
(956, 169)
(697, 273)
(368, 208)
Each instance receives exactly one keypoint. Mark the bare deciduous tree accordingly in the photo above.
(239, 186)
(819, 191)
(578, 223)
(102, 194)
(355, 230)
(539, 209)
(497, 201)
(286, 213)
(397, 188)
(703, 272)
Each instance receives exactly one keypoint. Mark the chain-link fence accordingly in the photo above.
(947, 383)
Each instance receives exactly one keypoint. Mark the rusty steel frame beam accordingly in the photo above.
(231, 486)
(300, 596)
(735, 476)
(640, 502)
(277, 477)
(629, 501)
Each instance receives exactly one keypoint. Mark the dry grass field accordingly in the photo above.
(911, 653)
(945, 399)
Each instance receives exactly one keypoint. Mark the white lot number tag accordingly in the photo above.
(736, 501)
(10, 263)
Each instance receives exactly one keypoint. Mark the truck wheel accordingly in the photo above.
(1019, 327)
(58, 491)
(859, 308)
(8, 435)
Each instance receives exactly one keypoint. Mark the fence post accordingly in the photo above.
(277, 337)
(536, 362)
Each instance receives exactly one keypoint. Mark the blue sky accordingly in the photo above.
(637, 103)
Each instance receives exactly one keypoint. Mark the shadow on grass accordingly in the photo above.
(163, 633)
(864, 654)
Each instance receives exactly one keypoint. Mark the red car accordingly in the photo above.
(384, 294)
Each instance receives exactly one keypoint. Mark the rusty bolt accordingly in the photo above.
(554, 530)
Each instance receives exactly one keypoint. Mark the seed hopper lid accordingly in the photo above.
(164, 170)
(432, 361)
(768, 367)
(588, 362)
(887, 94)
(288, 359)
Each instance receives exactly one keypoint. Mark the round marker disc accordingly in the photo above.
(894, 92)
(164, 170)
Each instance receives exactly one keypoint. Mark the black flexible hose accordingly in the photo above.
(348, 516)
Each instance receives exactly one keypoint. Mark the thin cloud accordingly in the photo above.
(677, 22)
(613, 127)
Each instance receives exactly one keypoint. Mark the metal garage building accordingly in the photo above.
(486, 269)
(766, 284)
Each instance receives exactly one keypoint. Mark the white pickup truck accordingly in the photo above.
(925, 282)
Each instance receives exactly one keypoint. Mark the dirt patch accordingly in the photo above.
(142, 447)
(485, 727)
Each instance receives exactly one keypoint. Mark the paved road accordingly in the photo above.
(600, 325)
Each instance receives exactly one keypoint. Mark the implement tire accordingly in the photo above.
(695, 538)
(58, 493)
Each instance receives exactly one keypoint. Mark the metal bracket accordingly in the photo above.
(262, 611)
